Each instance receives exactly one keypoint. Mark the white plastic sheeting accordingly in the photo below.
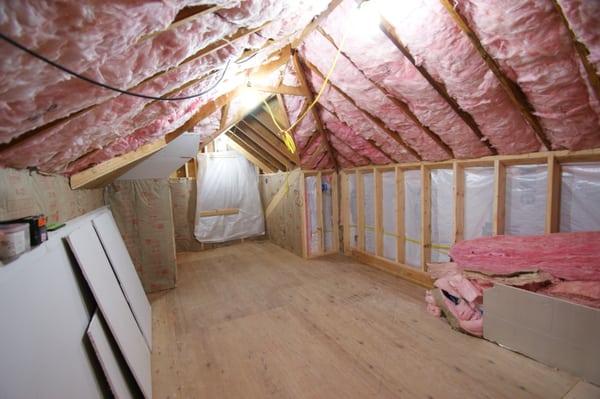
(353, 218)
(479, 202)
(326, 187)
(412, 217)
(525, 206)
(369, 207)
(314, 234)
(441, 213)
(389, 208)
(580, 197)
(227, 180)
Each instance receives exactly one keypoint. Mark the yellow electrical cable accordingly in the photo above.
(287, 137)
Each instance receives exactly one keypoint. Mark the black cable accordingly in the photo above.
(104, 85)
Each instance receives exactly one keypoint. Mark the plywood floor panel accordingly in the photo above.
(255, 321)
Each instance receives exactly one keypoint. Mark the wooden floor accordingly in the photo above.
(255, 321)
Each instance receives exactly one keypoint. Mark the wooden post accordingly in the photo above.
(425, 217)
(499, 197)
(400, 244)
(360, 211)
(458, 191)
(320, 223)
(304, 215)
(553, 196)
(378, 203)
(336, 213)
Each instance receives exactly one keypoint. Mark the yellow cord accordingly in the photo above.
(287, 137)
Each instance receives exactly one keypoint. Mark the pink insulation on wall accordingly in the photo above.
(533, 48)
(379, 59)
(320, 52)
(569, 256)
(436, 42)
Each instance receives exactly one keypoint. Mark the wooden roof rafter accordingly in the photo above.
(378, 122)
(310, 99)
(267, 141)
(254, 143)
(512, 89)
(438, 86)
(255, 159)
(399, 103)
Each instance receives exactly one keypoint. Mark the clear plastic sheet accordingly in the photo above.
(412, 217)
(369, 207)
(227, 180)
(390, 208)
(580, 197)
(314, 235)
(479, 201)
(327, 211)
(525, 206)
(352, 214)
(441, 213)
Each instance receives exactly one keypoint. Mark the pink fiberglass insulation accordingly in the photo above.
(569, 256)
(42, 93)
(320, 52)
(351, 156)
(306, 127)
(533, 47)
(436, 42)
(381, 61)
(584, 19)
(352, 139)
(582, 292)
(361, 128)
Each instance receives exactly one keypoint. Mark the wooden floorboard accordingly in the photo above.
(255, 321)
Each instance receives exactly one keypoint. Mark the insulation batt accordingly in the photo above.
(380, 60)
(584, 19)
(582, 292)
(356, 129)
(96, 129)
(568, 256)
(34, 93)
(533, 47)
(437, 43)
(294, 106)
(321, 53)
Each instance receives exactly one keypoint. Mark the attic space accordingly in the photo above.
(300, 199)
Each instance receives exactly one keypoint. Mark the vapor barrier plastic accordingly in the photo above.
(580, 197)
(525, 205)
(390, 209)
(478, 203)
(369, 207)
(412, 217)
(441, 213)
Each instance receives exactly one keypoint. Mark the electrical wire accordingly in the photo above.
(108, 87)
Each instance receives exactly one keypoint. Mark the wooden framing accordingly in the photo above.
(256, 148)
(513, 90)
(219, 212)
(552, 160)
(262, 143)
(378, 200)
(281, 89)
(272, 141)
(239, 146)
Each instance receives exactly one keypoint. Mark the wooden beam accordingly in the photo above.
(316, 155)
(224, 115)
(552, 224)
(97, 176)
(399, 103)
(319, 210)
(513, 90)
(310, 98)
(393, 135)
(219, 212)
(438, 86)
(273, 142)
(281, 89)
(400, 229)
(244, 136)
(582, 51)
(336, 213)
(315, 23)
(186, 15)
(360, 211)
(265, 145)
(403, 271)
(304, 214)
(239, 146)
(458, 193)
(498, 213)
(425, 217)
(345, 212)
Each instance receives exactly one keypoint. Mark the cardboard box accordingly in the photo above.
(552, 331)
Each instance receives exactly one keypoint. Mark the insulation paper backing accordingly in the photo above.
(390, 206)
(526, 187)
(353, 210)
(478, 202)
(580, 197)
(441, 213)
(369, 207)
(412, 217)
